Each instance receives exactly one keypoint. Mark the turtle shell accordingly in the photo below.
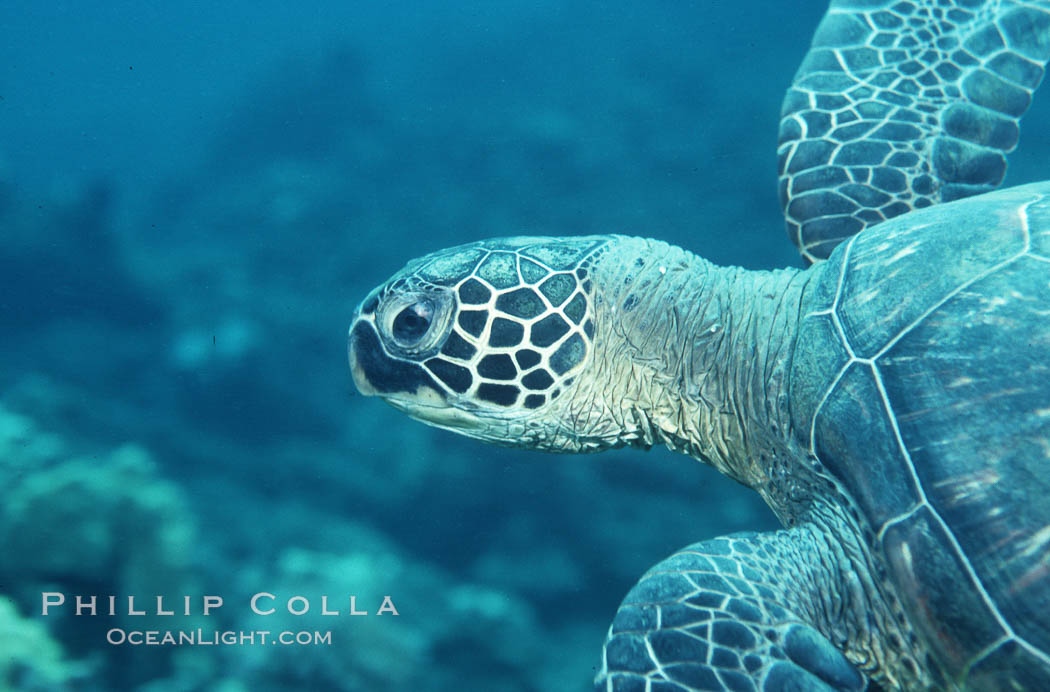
(921, 381)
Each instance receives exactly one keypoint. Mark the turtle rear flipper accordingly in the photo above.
(727, 614)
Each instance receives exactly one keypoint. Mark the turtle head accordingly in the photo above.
(482, 339)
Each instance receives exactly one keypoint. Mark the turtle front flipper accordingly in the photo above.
(727, 614)
(902, 105)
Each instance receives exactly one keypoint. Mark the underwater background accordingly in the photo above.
(194, 196)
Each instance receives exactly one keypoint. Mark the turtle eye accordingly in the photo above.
(413, 323)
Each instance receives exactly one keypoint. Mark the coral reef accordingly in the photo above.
(93, 525)
(31, 660)
(442, 632)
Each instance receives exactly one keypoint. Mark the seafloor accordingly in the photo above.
(192, 201)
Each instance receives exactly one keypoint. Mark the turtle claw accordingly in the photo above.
(813, 664)
(784, 676)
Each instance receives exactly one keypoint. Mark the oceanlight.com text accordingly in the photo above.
(200, 637)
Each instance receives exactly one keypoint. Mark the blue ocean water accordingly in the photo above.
(194, 197)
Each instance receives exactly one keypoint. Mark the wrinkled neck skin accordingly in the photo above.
(692, 356)
(697, 357)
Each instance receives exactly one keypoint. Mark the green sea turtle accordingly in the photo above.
(891, 403)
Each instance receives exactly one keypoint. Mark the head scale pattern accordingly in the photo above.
(505, 323)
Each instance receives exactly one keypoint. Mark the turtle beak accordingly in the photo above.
(353, 349)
